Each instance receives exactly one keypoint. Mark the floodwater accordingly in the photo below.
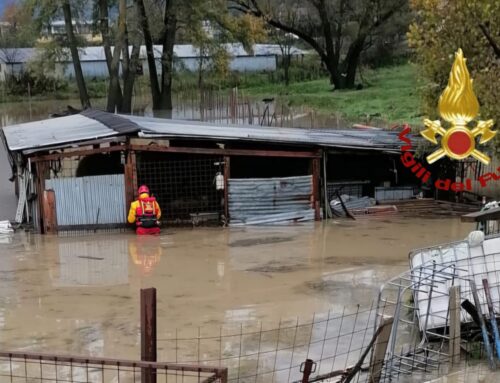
(80, 294)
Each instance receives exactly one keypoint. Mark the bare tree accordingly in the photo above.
(80, 81)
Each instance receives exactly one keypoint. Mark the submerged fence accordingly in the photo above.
(334, 341)
(31, 367)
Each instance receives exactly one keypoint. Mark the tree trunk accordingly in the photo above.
(167, 58)
(114, 75)
(148, 41)
(104, 29)
(80, 81)
(129, 79)
(286, 68)
(352, 61)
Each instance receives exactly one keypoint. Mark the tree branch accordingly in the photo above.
(489, 37)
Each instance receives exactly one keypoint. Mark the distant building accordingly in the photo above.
(57, 28)
(187, 57)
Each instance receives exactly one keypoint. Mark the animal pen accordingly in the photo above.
(82, 171)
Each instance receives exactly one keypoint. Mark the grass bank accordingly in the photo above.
(389, 94)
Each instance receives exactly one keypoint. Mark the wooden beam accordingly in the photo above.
(481, 216)
(129, 181)
(49, 211)
(380, 348)
(227, 152)
(316, 189)
(227, 175)
(76, 153)
(454, 307)
(41, 173)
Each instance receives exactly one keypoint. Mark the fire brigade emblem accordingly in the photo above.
(458, 106)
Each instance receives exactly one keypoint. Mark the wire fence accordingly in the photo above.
(31, 367)
(255, 353)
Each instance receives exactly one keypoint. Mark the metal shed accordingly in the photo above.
(179, 160)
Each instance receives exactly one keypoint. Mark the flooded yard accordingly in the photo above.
(80, 294)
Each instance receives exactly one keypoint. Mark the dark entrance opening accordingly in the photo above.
(100, 164)
(183, 184)
(269, 167)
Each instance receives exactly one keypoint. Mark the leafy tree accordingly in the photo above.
(338, 30)
(443, 26)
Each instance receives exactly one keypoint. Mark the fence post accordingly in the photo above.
(454, 306)
(307, 369)
(148, 333)
(380, 349)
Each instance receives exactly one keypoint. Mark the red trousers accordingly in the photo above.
(151, 231)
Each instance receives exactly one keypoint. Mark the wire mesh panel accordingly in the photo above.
(29, 367)
(257, 352)
(183, 184)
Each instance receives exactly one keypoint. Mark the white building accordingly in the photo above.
(187, 57)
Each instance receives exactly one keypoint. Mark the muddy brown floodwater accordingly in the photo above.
(80, 294)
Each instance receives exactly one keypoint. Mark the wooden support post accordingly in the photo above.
(227, 175)
(454, 307)
(41, 172)
(129, 180)
(380, 348)
(134, 171)
(49, 211)
(316, 204)
(148, 333)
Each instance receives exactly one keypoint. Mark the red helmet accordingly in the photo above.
(143, 189)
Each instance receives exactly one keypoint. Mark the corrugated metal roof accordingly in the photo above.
(54, 131)
(354, 138)
(94, 125)
(22, 55)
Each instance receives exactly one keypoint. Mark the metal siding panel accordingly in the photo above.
(79, 199)
(254, 198)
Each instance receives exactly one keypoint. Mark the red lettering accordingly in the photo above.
(426, 177)
(457, 187)
(407, 159)
(468, 184)
(483, 180)
(420, 173)
(442, 184)
(402, 136)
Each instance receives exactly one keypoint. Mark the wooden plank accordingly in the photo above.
(315, 189)
(227, 152)
(380, 349)
(148, 333)
(76, 153)
(480, 216)
(49, 211)
(41, 175)
(129, 181)
(227, 175)
(454, 307)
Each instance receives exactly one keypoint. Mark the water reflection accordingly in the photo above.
(145, 252)
(100, 262)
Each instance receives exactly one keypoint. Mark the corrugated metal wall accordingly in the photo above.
(254, 199)
(89, 200)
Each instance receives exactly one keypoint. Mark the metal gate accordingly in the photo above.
(89, 201)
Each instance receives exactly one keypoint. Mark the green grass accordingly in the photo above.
(389, 95)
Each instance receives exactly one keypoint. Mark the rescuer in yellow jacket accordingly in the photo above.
(145, 213)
